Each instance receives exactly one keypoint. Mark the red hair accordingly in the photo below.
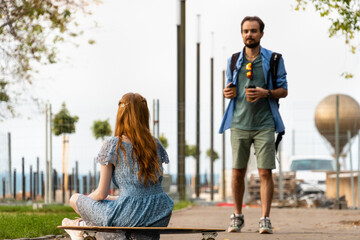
(132, 121)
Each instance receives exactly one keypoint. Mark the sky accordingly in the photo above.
(135, 51)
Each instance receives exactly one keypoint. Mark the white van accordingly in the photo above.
(311, 172)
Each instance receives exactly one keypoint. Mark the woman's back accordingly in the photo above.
(125, 176)
(135, 204)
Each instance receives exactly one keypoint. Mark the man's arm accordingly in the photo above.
(258, 92)
(227, 92)
(277, 93)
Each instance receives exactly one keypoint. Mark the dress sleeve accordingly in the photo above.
(163, 156)
(107, 152)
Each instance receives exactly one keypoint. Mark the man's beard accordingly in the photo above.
(252, 45)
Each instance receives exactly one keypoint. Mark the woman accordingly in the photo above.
(133, 160)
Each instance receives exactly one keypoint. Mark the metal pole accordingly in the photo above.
(223, 145)
(197, 153)
(46, 188)
(51, 158)
(55, 185)
(23, 178)
(158, 118)
(42, 185)
(181, 101)
(337, 148)
(73, 181)
(37, 176)
(351, 170)
(31, 183)
(3, 187)
(212, 122)
(9, 154)
(35, 186)
(94, 181)
(85, 192)
(90, 182)
(77, 181)
(153, 115)
(63, 188)
(47, 180)
(14, 192)
(280, 182)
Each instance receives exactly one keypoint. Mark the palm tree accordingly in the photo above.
(215, 154)
(64, 123)
(190, 151)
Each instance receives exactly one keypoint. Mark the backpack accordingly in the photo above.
(274, 63)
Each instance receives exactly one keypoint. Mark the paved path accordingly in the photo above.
(296, 223)
(288, 223)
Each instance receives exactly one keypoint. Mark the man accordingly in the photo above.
(253, 117)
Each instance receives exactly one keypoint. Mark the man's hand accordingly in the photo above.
(256, 93)
(228, 92)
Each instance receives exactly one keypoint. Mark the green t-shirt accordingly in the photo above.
(257, 115)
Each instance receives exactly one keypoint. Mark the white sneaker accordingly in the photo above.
(74, 235)
(265, 225)
(236, 223)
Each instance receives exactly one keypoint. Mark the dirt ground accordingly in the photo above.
(288, 223)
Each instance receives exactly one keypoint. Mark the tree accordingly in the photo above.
(215, 154)
(163, 140)
(101, 129)
(30, 31)
(344, 16)
(190, 151)
(64, 123)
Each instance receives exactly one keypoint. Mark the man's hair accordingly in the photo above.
(254, 18)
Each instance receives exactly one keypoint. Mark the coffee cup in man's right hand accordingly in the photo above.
(232, 87)
(249, 99)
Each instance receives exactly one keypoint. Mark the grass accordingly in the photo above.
(182, 204)
(25, 222)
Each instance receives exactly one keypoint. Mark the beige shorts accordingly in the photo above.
(264, 144)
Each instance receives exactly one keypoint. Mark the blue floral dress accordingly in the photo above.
(137, 205)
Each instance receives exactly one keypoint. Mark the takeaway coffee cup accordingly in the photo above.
(246, 91)
(233, 89)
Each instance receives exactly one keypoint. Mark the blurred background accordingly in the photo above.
(131, 46)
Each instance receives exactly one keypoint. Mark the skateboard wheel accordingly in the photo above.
(90, 238)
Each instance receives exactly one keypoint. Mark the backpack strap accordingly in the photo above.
(278, 139)
(234, 58)
(274, 63)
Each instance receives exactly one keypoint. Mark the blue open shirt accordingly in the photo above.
(233, 77)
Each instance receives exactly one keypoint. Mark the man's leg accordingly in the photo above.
(238, 188)
(264, 143)
(240, 144)
(266, 191)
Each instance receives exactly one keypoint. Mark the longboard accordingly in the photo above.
(89, 232)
